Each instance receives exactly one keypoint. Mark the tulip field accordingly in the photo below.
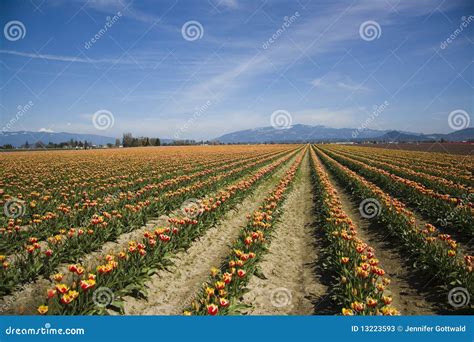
(322, 229)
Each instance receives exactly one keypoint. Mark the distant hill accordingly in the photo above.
(296, 133)
(305, 133)
(19, 138)
(461, 135)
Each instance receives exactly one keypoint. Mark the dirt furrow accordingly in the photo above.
(406, 290)
(170, 291)
(290, 286)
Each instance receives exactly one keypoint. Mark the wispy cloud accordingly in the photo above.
(60, 58)
(337, 81)
(227, 3)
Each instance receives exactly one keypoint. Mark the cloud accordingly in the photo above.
(227, 3)
(337, 81)
(45, 130)
(65, 58)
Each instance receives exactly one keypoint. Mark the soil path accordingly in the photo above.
(170, 291)
(291, 286)
(406, 291)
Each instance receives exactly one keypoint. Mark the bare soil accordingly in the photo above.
(291, 286)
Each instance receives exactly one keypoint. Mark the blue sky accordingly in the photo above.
(157, 83)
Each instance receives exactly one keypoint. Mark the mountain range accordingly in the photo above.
(306, 133)
(295, 133)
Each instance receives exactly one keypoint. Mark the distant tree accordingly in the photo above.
(157, 142)
(7, 147)
(127, 140)
(39, 144)
(27, 145)
(117, 142)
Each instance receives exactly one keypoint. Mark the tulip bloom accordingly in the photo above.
(358, 306)
(347, 312)
(223, 302)
(43, 309)
(212, 309)
(62, 288)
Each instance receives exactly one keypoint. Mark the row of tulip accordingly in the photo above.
(360, 283)
(438, 184)
(438, 207)
(457, 168)
(432, 253)
(126, 271)
(220, 295)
